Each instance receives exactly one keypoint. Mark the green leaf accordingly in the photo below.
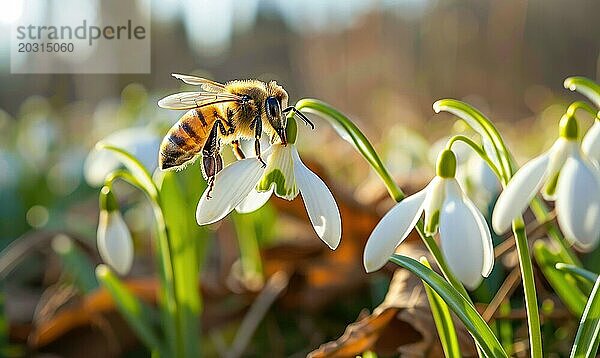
(586, 87)
(442, 319)
(564, 285)
(184, 260)
(463, 309)
(587, 278)
(586, 340)
(137, 314)
(75, 263)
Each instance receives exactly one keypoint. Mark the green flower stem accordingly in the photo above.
(139, 177)
(478, 122)
(349, 131)
(533, 317)
(345, 126)
(573, 107)
(477, 149)
(586, 87)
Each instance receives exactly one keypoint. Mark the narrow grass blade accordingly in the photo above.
(586, 278)
(464, 310)
(443, 320)
(586, 340)
(588, 275)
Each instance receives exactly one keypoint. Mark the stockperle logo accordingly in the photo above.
(107, 36)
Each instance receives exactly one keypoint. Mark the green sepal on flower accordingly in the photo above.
(108, 201)
(446, 164)
(568, 127)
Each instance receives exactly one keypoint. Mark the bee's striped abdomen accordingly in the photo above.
(185, 139)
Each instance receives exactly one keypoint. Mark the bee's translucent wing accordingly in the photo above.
(207, 85)
(189, 100)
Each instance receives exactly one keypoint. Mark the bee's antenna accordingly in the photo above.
(302, 116)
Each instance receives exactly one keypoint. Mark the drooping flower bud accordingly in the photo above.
(113, 237)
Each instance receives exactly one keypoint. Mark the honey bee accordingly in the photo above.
(239, 109)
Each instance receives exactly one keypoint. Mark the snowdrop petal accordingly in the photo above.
(462, 237)
(515, 198)
(254, 201)
(486, 238)
(320, 205)
(232, 185)
(558, 154)
(279, 173)
(393, 228)
(114, 241)
(483, 176)
(590, 144)
(247, 146)
(578, 203)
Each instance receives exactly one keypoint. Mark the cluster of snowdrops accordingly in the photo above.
(567, 174)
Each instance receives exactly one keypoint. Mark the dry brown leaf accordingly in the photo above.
(402, 323)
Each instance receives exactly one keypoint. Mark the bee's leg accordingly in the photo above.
(212, 163)
(237, 150)
(229, 120)
(301, 115)
(257, 125)
(222, 129)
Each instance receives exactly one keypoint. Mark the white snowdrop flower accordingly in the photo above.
(246, 186)
(564, 174)
(479, 182)
(590, 144)
(465, 238)
(113, 237)
(143, 143)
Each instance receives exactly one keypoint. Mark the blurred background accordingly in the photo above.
(383, 63)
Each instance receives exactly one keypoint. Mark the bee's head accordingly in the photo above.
(274, 104)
